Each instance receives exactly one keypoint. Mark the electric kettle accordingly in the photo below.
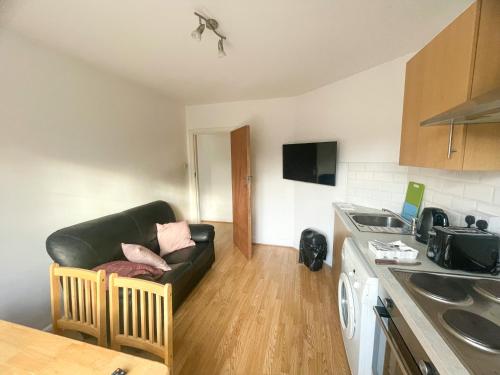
(430, 217)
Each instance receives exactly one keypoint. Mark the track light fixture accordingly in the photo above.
(210, 24)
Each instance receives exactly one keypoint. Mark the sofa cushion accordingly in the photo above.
(202, 232)
(183, 281)
(140, 254)
(188, 254)
(172, 277)
(173, 236)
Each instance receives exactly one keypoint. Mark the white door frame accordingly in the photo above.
(194, 188)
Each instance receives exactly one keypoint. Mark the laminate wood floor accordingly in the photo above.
(267, 315)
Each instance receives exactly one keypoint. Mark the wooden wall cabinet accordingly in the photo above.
(460, 63)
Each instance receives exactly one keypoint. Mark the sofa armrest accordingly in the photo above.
(202, 232)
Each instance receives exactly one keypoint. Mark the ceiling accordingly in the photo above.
(275, 48)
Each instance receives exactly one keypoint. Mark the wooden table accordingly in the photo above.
(25, 350)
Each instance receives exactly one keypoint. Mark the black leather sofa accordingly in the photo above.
(98, 241)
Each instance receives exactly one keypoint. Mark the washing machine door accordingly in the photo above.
(346, 306)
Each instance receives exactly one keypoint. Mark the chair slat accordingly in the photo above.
(143, 315)
(125, 311)
(74, 312)
(151, 318)
(93, 296)
(66, 297)
(158, 320)
(81, 315)
(88, 306)
(134, 313)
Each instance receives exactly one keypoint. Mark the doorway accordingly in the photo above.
(211, 179)
(214, 177)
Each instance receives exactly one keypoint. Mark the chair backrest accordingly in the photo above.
(141, 316)
(83, 297)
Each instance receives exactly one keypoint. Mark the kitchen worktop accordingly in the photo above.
(437, 349)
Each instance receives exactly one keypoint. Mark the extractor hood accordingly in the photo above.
(482, 110)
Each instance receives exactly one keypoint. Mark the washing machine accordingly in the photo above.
(357, 294)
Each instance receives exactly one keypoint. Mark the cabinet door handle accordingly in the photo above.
(450, 141)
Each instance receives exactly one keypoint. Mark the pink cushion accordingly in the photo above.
(173, 236)
(141, 254)
(128, 269)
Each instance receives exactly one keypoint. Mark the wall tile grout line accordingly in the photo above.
(383, 185)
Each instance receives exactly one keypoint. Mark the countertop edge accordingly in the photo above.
(441, 355)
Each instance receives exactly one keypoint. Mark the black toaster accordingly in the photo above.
(465, 249)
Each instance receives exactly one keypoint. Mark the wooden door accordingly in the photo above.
(242, 190)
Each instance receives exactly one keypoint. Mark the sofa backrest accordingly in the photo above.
(89, 244)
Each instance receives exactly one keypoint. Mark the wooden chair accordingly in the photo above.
(83, 301)
(146, 322)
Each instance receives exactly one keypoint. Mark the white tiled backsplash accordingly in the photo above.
(383, 185)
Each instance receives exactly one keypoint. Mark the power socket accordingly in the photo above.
(494, 225)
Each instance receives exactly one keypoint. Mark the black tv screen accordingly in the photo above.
(310, 162)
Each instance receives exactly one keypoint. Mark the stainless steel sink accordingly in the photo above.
(379, 223)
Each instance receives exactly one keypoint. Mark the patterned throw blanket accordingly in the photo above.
(125, 268)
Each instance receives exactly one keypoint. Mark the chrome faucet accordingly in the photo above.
(397, 215)
(412, 224)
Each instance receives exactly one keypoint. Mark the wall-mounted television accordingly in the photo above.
(310, 162)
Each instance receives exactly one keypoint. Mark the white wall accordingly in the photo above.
(458, 193)
(462, 193)
(75, 144)
(214, 177)
(377, 184)
(271, 125)
(363, 113)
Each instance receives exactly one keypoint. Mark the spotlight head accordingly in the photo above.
(196, 34)
(222, 53)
